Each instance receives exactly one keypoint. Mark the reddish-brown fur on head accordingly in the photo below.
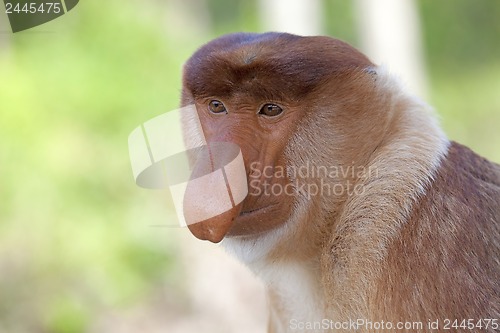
(268, 66)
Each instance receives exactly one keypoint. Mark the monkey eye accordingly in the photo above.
(270, 110)
(216, 106)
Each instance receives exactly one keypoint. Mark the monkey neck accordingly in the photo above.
(290, 274)
(292, 280)
(406, 160)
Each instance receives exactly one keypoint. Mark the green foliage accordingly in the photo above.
(66, 315)
(468, 104)
(340, 22)
(233, 16)
(461, 35)
(75, 230)
(461, 39)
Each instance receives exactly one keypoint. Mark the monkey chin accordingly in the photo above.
(252, 222)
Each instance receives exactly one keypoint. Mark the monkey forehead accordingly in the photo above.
(274, 65)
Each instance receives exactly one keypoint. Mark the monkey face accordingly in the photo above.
(254, 90)
(260, 129)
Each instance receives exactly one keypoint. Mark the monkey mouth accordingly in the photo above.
(253, 211)
(255, 220)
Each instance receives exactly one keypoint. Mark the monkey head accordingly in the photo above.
(286, 101)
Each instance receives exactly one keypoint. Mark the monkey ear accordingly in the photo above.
(372, 71)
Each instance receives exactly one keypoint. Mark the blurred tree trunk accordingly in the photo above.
(303, 17)
(390, 35)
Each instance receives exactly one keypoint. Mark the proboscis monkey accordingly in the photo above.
(359, 207)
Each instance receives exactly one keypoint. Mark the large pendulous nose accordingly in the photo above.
(215, 191)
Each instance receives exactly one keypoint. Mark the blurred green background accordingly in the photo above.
(77, 242)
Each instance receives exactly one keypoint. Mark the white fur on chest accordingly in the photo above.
(294, 288)
(296, 296)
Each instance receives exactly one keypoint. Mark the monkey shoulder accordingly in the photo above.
(468, 183)
(463, 199)
(453, 233)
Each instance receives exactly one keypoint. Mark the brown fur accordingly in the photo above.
(422, 240)
(445, 262)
